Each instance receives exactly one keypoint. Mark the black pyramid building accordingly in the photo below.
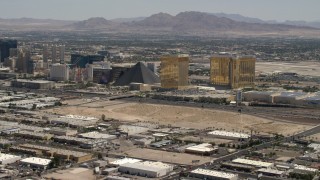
(139, 73)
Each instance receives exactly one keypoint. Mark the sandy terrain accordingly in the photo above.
(165, 156)
(189, 117)
(71, 174)
(302, 68)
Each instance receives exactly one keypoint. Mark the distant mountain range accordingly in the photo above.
(185, 23)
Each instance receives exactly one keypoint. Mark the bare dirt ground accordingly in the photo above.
(190, 117)
(165, 156)
(303, 68)
(71, 174)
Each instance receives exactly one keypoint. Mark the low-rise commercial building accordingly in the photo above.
(260, 164)
(8, 158)
(35, 162)
(124, 161)
(97, 135)
(146, 169)
(270, 172)
(203, 149)
(212, 174)
(62, 132)
(34, 135)
(75, 156)
(228, 135)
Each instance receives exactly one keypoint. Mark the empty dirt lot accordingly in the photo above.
(190, 117)
(310, 68)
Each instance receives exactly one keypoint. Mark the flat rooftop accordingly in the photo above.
(229, 134)
(213, 173)
(252, 162)
(125, 161)
(205, 147)
(36, 161)
(7, 156)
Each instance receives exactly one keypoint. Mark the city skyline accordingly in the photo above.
(111, 9)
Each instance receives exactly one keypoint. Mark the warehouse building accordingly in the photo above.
(34, 135)
(288, 97)
(212, 175)
(260, 164)
(146, 169)
(228, 135)
(36, 162)
(259, 96)
(75, 156)
(131, 129)
(124, 161)
(202, 149)
(270, 172)
(97, 135)
(62, 132)
(8, 158)
(312, 100)
(303, 169)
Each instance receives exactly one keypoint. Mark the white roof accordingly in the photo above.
(159, 134)
(252, 162)
(304, 168)
(213, 173)
(37, 161)
(229, 134)
(315, 146)
(124, 161)
(205, 147)
(154, 164)
(96, 135)
(271, 171)
(7, 156)
(85, 118)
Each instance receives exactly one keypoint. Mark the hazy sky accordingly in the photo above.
(109, 9)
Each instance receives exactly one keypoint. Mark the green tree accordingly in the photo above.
(34, 106)
(103, 117)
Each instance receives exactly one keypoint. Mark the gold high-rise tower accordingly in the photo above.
(232, 72)
(174, 72)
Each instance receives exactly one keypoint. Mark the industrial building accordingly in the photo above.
(34, 135)
(202, 149)
(36, 84)
(62, 132)
(174, 72)
(75, 156)
(124, 161)
(97, 135)
(259, 96)
(270, 172)
(8, 158)
(35, 162)
(288, 97)
(232, 72)
(228, 135)
(146, 169)
(260, 164)
(59, 72)
(212, 174)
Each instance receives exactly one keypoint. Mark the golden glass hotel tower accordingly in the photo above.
(174, 72)
(232, 72)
